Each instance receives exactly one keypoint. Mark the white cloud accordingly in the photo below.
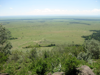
(63, 12)
(55, 12)
(96, 10)
(11, 8)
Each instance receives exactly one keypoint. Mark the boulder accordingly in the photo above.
(85, 70)
(49, 74)
(4, 74)
(58, 73)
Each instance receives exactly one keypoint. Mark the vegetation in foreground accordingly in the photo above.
(64, 58)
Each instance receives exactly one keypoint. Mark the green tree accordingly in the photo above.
(92, 47)
(5, 45)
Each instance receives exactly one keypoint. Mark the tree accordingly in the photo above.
(5, 45)
(93, 48)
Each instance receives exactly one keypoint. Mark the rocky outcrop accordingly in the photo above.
(4, 74)
(58, 73)
(85, 70)
(49, 74)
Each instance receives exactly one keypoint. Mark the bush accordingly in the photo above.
(92, 47)
(74, 49)
(10, 68)
(23, 71)
(84, 56)
(70, 65)
(39, 66)
(14, 56)
(3, 59)
(33, 53)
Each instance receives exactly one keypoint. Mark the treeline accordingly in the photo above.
(95, 35)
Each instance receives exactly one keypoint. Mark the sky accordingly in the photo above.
(49, 7)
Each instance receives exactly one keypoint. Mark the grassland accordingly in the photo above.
(57, 30)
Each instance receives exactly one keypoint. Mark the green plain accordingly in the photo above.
(58, 30)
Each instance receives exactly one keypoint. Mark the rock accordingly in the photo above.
(58, 73)
(85, 70)
(4, 74)
(49, 74)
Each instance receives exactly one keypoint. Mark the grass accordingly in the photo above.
(57, 30)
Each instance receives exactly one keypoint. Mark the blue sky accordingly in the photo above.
(49, 7)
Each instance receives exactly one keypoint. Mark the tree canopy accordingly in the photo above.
(5, 45)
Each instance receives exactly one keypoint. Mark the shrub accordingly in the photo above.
(23, 71)
(10, 69)
(14, 56)
(46, 54)
(74, 49)
(39, 66)
(33, 53)
(96, 66)
(70, 65)
(92, 47)
(84, 56)
(3, 59)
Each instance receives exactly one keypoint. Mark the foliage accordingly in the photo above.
(37, 46)
(97, 67)
(5, 46)
(70, 65)
(15, 55)
(13, 68)
(50, 45)
(10, 69)
(84, 56)
(32, 46)
(33, 53)
(60, 58)
(23, 71)
(95, 35)
(74, 49)
(39, 66)
(3, 59)
(92, 47)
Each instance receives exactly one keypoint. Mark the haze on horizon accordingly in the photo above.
(50, 7)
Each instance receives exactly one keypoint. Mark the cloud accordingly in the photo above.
(54, 12)
(63, 12)
(96, 1)
(96, 10)
(11, 8)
